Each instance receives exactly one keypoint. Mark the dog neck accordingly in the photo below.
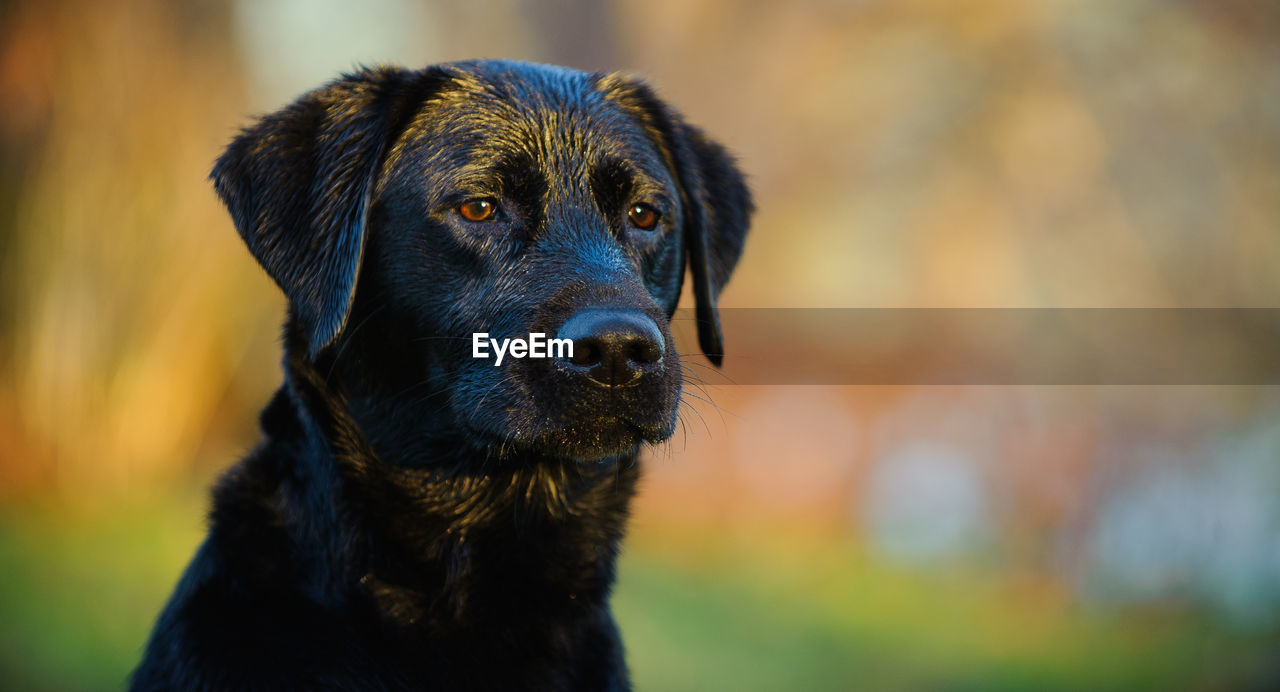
(470, 540)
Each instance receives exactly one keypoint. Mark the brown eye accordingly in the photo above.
(477, 209)
(643, 216)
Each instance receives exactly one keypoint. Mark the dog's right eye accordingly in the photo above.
(478, 209)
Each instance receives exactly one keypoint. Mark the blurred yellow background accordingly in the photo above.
(1064, 153)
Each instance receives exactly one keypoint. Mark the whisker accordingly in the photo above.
(711, 400)
(476, 411)
(695, 410)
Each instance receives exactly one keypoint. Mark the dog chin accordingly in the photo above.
(600, 439)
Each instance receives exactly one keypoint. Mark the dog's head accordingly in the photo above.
(404, 212)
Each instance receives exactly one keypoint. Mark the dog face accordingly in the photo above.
(403, 212)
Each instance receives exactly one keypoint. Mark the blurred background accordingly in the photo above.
(924, 153)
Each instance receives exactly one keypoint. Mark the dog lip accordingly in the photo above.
(598, 437)
(595, 439)
(641, 431)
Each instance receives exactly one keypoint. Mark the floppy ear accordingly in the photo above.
(717, 203)
(298, 185)
(716, 222)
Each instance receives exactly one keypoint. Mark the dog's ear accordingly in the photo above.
(298, 185)
(716, 225)
(717, 203)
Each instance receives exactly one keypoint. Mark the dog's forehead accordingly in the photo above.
(556, 116)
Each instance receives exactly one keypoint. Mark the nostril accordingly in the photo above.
(643, 351)
(586, 352)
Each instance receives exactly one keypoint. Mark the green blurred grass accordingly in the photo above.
(80, 590)
(839, 622)
(81, 587)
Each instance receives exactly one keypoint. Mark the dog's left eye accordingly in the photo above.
(478, 209)
(643, 216)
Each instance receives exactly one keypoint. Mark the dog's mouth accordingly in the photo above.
(596, 439)
(600, 438)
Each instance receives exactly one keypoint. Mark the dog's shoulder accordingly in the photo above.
(244, 610)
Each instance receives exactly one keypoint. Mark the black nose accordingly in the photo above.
(613, 347)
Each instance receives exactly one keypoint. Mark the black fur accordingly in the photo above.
(416, 518)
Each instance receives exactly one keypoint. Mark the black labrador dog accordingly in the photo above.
(418, 517)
